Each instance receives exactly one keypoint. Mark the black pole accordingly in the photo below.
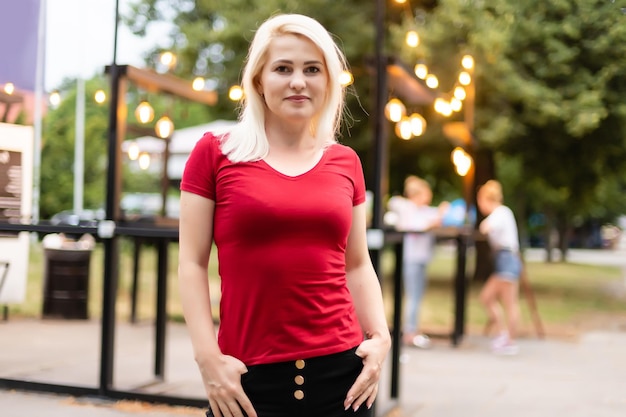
(397, 316)
(380, 139)
(460, 288)
(135, 286)
(111, 245)
(161, 309)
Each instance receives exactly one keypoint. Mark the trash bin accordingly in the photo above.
(66, 283)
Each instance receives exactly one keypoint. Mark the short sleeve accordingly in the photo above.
(201, 167)
(359, 181)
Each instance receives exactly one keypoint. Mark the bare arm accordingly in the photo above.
(368, 301)
(221, 374)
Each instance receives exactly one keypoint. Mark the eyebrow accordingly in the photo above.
(287, 61)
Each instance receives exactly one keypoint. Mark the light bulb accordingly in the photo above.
(394, 110)
(144, 112)
(346, 78)
(235, 93)
(164, 127)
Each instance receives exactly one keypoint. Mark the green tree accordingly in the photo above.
(57, 162)
(211, 39)
(550, 97)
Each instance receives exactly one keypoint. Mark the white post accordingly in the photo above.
(79, 146)
(39, 80)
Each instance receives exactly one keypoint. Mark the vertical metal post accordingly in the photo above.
(161, 308)
(460, 288)
(380, 139)
(111, 245)
(79, 146)
(137, 242)
(397, 316)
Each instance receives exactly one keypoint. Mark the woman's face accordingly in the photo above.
(293, 80)
(485, 205)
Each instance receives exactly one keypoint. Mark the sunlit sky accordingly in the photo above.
(80, 39)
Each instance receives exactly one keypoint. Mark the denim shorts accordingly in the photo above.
(314, 387)
(507, 264)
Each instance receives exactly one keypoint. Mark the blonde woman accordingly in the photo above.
(417, 217)
(501, 290)
(302, 326)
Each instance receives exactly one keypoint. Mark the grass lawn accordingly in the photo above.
(570, 297)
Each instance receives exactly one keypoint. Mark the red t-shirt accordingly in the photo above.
(281, 244)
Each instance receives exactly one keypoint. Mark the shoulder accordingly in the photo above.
(342, 153)
(342, 150)
(210, 140)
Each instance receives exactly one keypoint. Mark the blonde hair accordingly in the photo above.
(414, 185)
(247, 140)
(491, 191)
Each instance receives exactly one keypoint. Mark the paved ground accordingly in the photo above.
(579, 378)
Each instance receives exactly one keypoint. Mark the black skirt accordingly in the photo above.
(313, 387)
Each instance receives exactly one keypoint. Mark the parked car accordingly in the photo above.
(89, 218)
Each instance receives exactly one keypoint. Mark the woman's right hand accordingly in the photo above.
(222, 382)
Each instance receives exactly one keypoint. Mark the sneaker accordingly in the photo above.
(499, 341)
(507, 349)
(421, 341)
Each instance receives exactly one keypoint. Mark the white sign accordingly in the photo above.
(16, 185)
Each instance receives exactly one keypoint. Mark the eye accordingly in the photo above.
(282, 69)
(312, 70)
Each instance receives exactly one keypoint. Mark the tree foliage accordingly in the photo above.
(58, 143)
(550, 96)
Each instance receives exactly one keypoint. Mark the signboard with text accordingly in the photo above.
(16, 184)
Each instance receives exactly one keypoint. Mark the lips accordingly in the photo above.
(297, 98)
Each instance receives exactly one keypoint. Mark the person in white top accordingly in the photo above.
(501, 288)
(416, 217)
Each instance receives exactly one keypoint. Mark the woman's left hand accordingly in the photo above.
(364, 390)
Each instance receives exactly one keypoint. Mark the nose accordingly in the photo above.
(297, 81)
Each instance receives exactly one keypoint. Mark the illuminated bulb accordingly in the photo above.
(421, 71)
(144, 160)
(459, 93)
(235, 93)
(456, 104)
(164, 127)
(168, 59)
(395, 110)
(133, 151)
(442, 107)
(432, 81)
(100, 96)
(198, 84)
(457, 155)
(465, 78)
(412, 39)
(55, 98)
(346, 78)
(144, 112)
(418, 124)
(404, 130)
(9, 88)
(462, 161)
(467, 62)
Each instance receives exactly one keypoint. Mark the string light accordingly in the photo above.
(164, 127)
(100, 96)
(198, 84)
(412, 39)
(235, 93)
(144, 112)
(346, 78)
(395, 110)
(9, 88)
